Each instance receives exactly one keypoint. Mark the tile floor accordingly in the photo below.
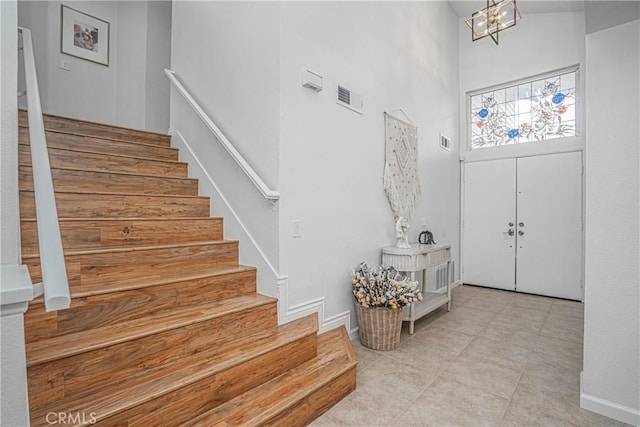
(497, 359)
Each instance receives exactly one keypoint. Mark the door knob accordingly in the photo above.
(509, 232)
(520, 233)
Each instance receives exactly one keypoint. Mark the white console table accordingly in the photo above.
(434, 259)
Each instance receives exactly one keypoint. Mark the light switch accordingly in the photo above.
(297, 228)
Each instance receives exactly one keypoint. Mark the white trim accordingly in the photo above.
(608, 408)
(253, 176)
(286, 313)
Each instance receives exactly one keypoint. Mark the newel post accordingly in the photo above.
(16, 291)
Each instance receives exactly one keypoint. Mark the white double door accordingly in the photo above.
(522, 224)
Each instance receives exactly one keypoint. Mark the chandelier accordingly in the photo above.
(496, 17)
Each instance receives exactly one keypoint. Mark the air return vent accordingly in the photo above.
(445, 142)
(348, 98)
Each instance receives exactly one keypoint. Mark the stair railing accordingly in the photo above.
(268, 193)
(55, 284)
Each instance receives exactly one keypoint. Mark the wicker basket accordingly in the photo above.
(379, 328)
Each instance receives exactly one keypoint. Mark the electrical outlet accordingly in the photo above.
(297, 228)
(65, 65)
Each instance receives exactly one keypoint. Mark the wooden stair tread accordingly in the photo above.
(259, 405)
(106, 138)
(185, 178)
(72, 344)
(106, 219)
(150, 384)
(135, 248)
(155, 159)
(122, 130)
(117, 193)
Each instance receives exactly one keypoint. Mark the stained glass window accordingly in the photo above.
(530, 111)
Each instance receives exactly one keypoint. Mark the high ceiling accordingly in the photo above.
(466, 8)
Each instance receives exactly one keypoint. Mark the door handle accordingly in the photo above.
(520, 233)
(509, 232)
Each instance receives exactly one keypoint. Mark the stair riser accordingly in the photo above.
(101, 310)
(315, 404)
(97, 129)
(75, 180)
(106, 367)
(106, 163)
(87, 205)
(104, 234)
(101, 145)
(114, 269)
(179, 406)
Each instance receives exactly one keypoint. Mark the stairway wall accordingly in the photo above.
(245, 71)
(132, 91)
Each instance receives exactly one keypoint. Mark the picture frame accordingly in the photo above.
(84, 36)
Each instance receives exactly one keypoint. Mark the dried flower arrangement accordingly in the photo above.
(383, 287)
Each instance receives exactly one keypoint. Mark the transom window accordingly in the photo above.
(534, 110)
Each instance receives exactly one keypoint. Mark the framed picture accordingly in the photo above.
(84, 36)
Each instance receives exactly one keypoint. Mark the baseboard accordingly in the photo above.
(456, 284)
(353, 334)
(288, 313)
(608, 408)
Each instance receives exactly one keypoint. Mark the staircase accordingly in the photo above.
(165, 326)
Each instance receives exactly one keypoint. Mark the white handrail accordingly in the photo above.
(54, 273)
(253, 176)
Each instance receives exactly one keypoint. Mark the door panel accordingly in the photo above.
(489, 207)
(549, 205)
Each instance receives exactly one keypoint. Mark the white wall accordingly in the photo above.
(117, 94)
(611, 376)
(397, 55)
(158, 58)
(227, 55)
(539, 43)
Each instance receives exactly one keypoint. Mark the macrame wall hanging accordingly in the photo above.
(402, 182)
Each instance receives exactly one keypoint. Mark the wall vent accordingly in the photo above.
(348, 98)
(445, 142)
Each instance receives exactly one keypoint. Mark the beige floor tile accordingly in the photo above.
(515, 323)
(424, 322)
(366, 357)
(460, 368)
(565, 322)
(525, 313)
(467, 313)
(485, 305)
(449, 403)
(500, 352)
(511, 336)
(563, 350)
(532, 303)
(568, 311)
(432, 345)
(552, 370)
(463, 290)
(463, 326)
(561, 332)
(361, 408)
(392, 376)
(480, 373)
